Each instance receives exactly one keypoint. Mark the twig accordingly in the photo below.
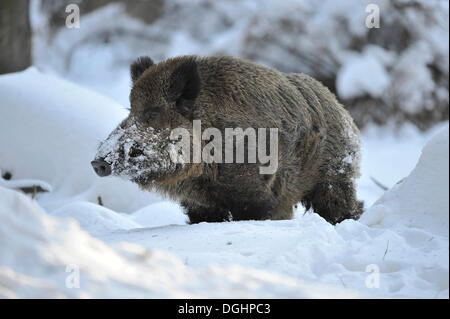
(387, 248)
(383, 187)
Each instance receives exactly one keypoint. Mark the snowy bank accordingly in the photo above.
(421, 200)
(50, 131)
(49, 257)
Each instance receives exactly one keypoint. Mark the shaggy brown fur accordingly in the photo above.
(318, 142)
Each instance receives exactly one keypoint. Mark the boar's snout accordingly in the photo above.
(101, 167)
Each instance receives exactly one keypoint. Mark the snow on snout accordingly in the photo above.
(108, 147)
(155, 145)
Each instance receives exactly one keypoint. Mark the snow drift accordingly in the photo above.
(50, 132)
(421, 200)
(45, 255)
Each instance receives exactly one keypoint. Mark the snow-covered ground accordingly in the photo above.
(138, 244)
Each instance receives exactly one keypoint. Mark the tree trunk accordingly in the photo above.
(15, 36)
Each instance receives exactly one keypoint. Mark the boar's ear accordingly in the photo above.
(184, 83)
(139, 66)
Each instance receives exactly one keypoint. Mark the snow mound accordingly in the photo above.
(95, 219)
(54, 128)
(421, 200)
(49, 257)
(160, 214)
(26, 184)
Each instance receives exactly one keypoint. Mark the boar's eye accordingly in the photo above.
(151, 115)
(133, 152)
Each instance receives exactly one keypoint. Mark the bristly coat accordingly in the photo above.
(318, 141)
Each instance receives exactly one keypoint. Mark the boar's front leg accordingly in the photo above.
(257, 210)
(335, 200)
(198, 214)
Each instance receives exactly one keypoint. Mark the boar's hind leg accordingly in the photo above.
(335, 201)
(198, 214)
